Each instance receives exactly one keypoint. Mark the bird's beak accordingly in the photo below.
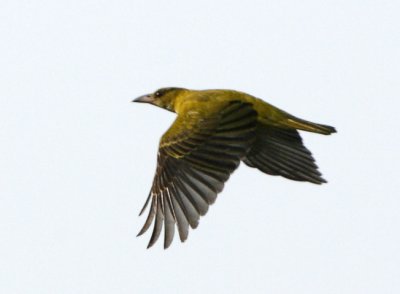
(144, 99)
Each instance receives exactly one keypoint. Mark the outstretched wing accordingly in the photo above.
(196, 157)
(280, 151)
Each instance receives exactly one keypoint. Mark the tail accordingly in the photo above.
(301, 124)
(270, 115)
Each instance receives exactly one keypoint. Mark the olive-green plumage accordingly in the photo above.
(214, 131)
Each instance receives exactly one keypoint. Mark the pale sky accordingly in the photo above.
(77, 157)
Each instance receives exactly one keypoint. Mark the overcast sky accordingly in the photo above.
(77, 158)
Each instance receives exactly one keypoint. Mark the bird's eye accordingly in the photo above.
(157, 94)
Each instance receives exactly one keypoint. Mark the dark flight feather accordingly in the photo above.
(192, 169)
(280, 151)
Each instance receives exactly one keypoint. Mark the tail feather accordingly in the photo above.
(301, 124)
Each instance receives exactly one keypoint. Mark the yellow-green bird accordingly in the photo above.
(213, 132)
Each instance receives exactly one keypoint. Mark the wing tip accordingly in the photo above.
(320, 182)
(141, 232)
(166, 246)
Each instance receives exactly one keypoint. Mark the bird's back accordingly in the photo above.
(207, 101)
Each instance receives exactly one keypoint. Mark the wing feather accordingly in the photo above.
(196, 157)
(280, 151)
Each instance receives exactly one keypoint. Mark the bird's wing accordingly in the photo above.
(280, 151)
(195, 158)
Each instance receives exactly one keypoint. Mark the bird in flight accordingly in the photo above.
(213, 132)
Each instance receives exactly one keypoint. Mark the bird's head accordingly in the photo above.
(164, 97)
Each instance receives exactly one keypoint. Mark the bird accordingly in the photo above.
(214, 131)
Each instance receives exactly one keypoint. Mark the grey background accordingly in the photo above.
(77, 158)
